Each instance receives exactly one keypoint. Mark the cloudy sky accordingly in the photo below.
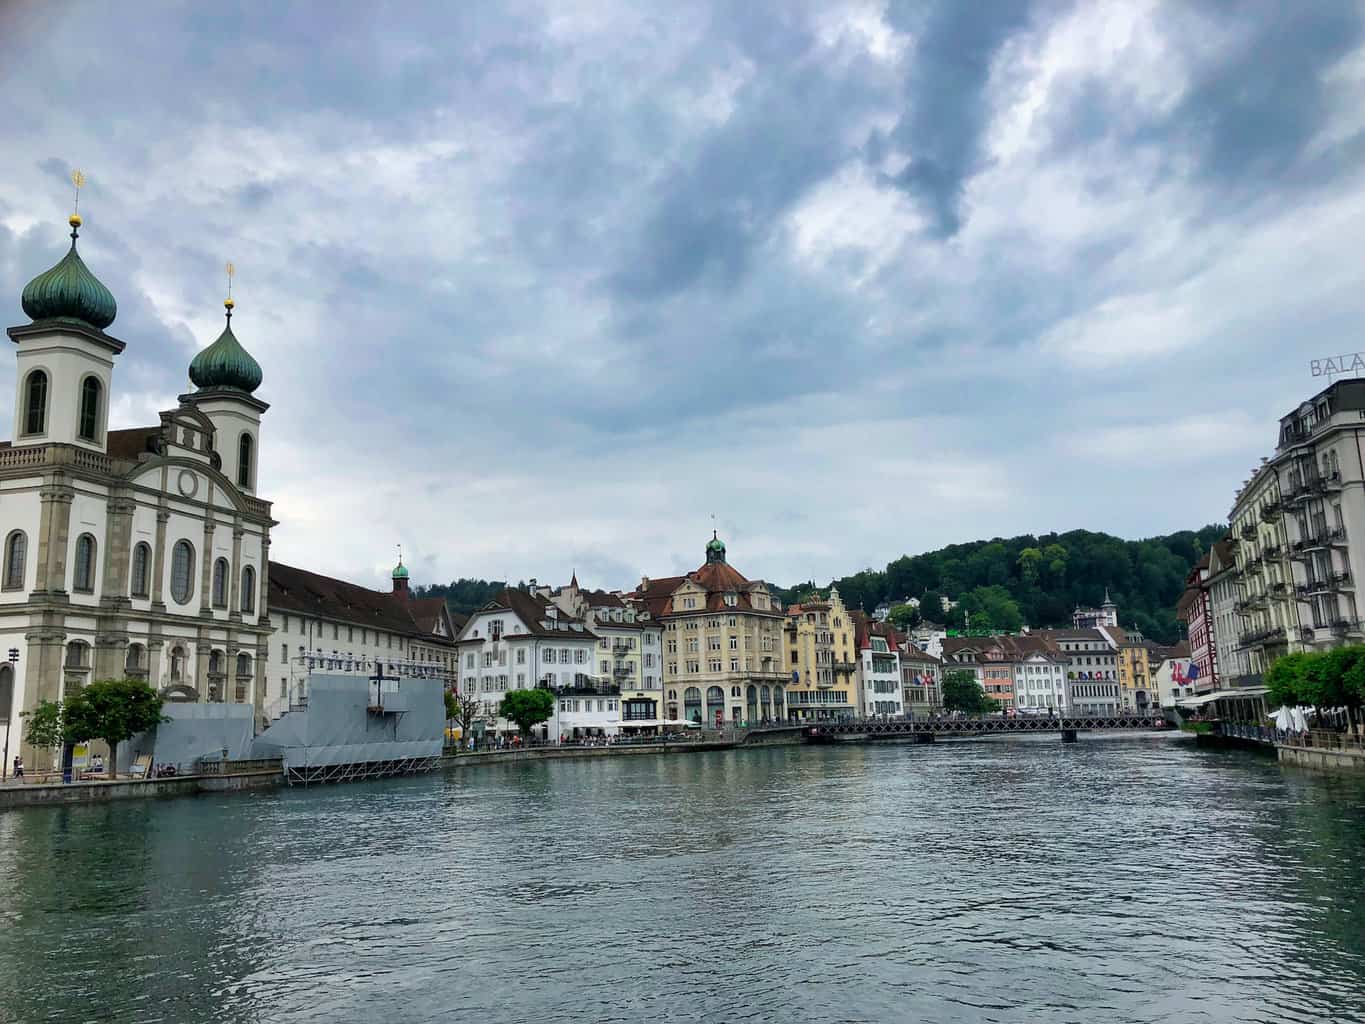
(539, 287)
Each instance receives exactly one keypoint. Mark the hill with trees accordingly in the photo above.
(463, 595)
(1037, 580)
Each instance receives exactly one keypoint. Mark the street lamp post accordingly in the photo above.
(9, 710)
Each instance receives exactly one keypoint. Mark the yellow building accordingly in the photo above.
(1137, 690)
(820, 660)
(722, 643)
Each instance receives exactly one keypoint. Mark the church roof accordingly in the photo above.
(225, 364)
(69, 291)
(309, 593)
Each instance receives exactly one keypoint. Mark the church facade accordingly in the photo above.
(135, 553)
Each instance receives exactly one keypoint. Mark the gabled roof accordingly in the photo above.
(301, 592)
(715, 579)
(533, 611)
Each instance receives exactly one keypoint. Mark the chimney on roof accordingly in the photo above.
(644, 582)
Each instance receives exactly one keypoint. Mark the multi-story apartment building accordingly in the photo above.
(879, 670)
(997, 676)
(722, 643)
(965, 654)
(821, 663)
(1322, 509)
(1224, 597)
(521, 640)
(1092, 674)
(920, 680)
(1137, 691)
(1194, 609)
(629, 650)
(1267, 611)
(321, 624)
(1039, 669)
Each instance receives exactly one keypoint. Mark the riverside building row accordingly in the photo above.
(1284, 578)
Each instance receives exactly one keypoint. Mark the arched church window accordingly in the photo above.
(182, 571)
(248, 589)
(16, 551)
(132, 661)
(83, 576)
(220, 571)
(35, 403)
(142, 560)
(90, 409)
(244, 452)
(244, 664)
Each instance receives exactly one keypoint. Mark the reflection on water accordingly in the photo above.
(1118, 879)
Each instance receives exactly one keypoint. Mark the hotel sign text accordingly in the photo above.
(1351, 362)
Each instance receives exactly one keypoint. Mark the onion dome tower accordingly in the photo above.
(715, 548)
(69, 291)
(225, 375)
(65, 362)
(400, 574)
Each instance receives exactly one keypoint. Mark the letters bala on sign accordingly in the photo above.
(1351, 362)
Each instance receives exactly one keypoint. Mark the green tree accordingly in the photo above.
(462, 708)
(43, 726)
(931, 606)
(961, 692)
(903, 616)
(527, 708)
(992, 608)
(1030, 561)
(112, 710)
(1284, 679)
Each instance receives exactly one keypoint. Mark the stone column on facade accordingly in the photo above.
(42, 671)
(263, 579)
(118, 541)
(155, 645)
(53, 535)
(235, 582)
(163, 516)
(111, 653)
(206, 570)
(259, 681)
(202, 648)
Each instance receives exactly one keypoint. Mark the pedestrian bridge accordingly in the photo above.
(926, 730)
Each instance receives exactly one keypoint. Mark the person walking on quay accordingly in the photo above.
(18, 767)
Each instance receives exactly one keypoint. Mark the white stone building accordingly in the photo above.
(879, 670)
(1040, 682)
(521, 640)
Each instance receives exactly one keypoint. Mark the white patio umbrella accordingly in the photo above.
(1284, 719)
(1300, 720)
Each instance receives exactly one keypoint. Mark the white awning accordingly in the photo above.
(1208, 698)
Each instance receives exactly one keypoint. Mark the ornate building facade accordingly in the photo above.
(128, 553)
(722, 643)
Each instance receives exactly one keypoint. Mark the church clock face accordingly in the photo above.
(187, 483)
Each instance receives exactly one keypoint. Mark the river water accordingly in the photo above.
(1117, 879)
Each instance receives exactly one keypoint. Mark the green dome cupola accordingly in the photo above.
(225, 364)
(400, 571)
(70, 292)
(715, 549)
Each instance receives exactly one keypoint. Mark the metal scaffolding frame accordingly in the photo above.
(355, 771)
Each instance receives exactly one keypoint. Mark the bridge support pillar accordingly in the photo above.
(1068, 735)
(924, 737)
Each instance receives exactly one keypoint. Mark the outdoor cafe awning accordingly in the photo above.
(1209, 698)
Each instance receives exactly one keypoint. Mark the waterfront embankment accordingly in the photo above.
(46, 794)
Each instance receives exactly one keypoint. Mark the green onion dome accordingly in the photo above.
(715, 549)
(225, 364)
(400, 571)
(70, 292)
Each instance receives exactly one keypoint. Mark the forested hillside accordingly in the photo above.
(1038, 581)
(463, 595)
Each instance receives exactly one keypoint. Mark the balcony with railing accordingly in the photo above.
(1271, 511)
(1249, 531)
(1272, 551)
(1262, 637)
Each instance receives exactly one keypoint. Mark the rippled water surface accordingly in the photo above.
(1119, 879)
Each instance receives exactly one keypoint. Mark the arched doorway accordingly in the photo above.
(715, 705)
(765, 702)
(779, 703)
(692, 704)
(751, 696)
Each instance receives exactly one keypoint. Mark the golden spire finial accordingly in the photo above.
(77, 179)
(228, 303)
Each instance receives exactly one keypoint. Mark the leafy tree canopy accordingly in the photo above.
(112, 710)
(961, 692)
(43, 725)
(527, 708)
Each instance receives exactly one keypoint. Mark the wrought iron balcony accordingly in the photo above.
(1262, 637)
(1249, 531)
(1271, 511)
(1272, 551)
